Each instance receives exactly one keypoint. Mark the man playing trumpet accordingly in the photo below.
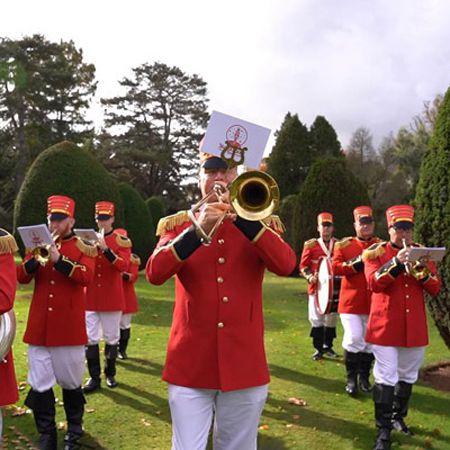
(397, 325)
(56, 331)
(216, 364)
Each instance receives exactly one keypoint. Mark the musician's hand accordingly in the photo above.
(313, 279)
(54, 253)
(403, 254)
(211, 213)
(101, 244)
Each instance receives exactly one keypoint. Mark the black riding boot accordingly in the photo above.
(402, 393)
(317, 333)
(74, 407)
(43, 406)
(365, 366)
(93, 363)
(330, 334)
(123, 343)
(110, 365)
(352, 367)
(383, 397)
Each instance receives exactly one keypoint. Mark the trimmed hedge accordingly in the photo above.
(138, 222)
(331, 187)
(157, 209)
(66, 169)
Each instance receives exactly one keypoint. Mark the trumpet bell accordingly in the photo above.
(254, 195)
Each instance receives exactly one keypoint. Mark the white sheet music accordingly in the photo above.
(35, 236)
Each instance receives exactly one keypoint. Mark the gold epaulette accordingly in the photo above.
(275, 223)
(135, 259)
(342, 243)
(170, 222)
(87, 248)
(7, 242)
(310, 244)
(374, 251)
(123, 241)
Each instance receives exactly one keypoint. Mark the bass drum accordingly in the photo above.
(325, 286)
(7, 333)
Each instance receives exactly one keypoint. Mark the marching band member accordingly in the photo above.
(131, 303)
(8, 384)
(216, 363)
(397, 326)
(56, 331)
(105, 297)
(323, 329)
(354, 299)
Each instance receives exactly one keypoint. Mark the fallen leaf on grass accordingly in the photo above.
(90, 410)
(263, 427)
(62, 425)
(289, 425)
(22, 385)
(19, 411)
(295, 417)
(297, 401)
(145, 422)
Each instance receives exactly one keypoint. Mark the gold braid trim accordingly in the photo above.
(7, 242)
(275, 223)
(345, 242)
(374, 251)
(86, 248)
(310, 244)
(135, 259)
(123, 241)
(170, 222)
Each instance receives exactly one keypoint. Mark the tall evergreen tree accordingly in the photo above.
(154, 128)
(291, 156)
(433, 210)
(331, 187)
(45, 88)
(324, 140)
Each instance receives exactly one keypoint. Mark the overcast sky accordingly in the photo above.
(365, 63)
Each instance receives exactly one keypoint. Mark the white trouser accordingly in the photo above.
(1, 427)
(319, 320)
(394, 364)
(107, 322)
(50, 365)
(354, 326)
(125, 321)
(236, 417)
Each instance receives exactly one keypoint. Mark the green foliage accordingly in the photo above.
(286, 213)
(291, 157)
(66, 169)
(153, 130)
(433, 210)
(157, 209)
(45, 89)
(138, 222)
(330, 186)
(324, 140)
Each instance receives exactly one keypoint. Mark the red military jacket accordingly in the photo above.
(105, 292)
(129, 279)
(8, 384)
(397, 314)
(217, 334)
(313, 250)
(57, 311)
(354, 296)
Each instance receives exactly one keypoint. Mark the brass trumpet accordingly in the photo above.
(254, 195)
(42, 252)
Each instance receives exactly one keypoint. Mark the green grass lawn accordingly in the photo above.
(135, 415)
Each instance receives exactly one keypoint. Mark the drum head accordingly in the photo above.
(324, 286)
(7, 332)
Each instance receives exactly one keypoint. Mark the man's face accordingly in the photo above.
(105, 224)
(364, 229)
(325, 230)
(210, 176)
(398, 234)
(61, 227)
